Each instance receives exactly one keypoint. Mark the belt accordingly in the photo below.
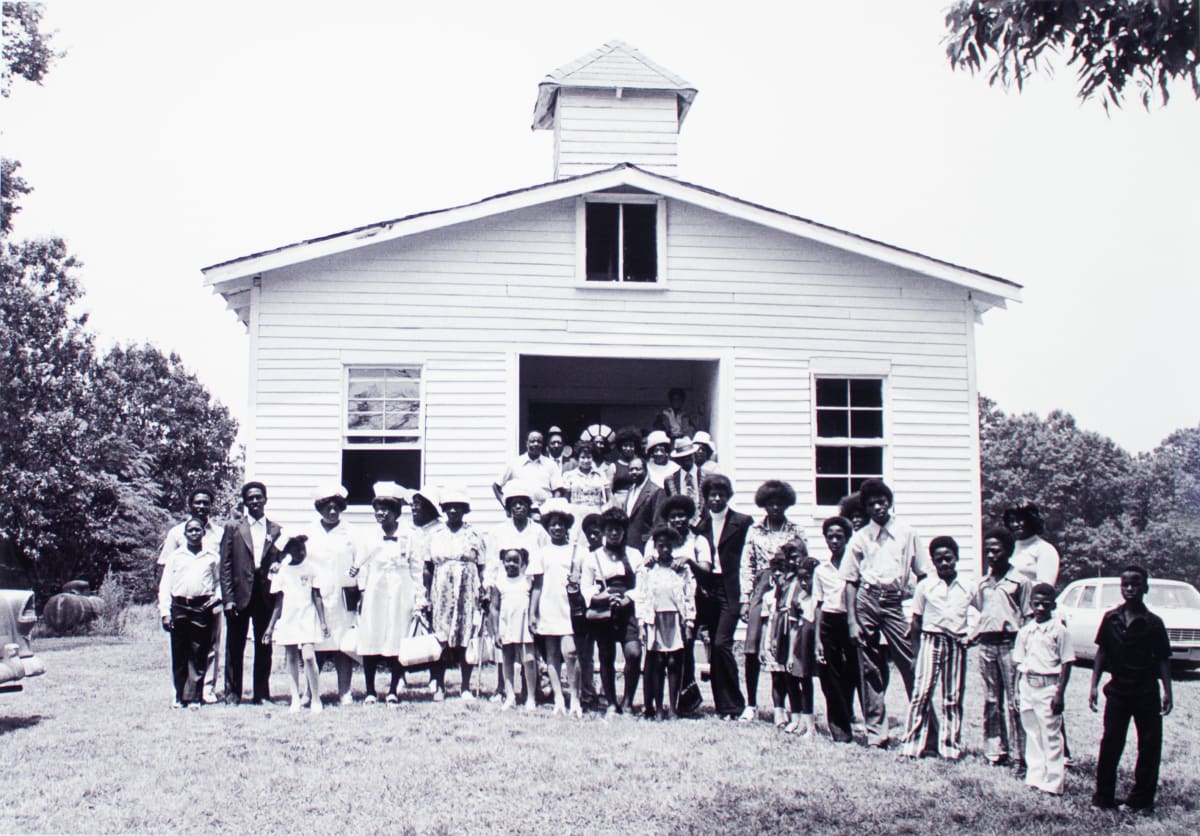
(997, 638)
(881, 592)
(197, 601)
(1041, 680)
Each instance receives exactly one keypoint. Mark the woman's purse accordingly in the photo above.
(575, 600)
(421, 646)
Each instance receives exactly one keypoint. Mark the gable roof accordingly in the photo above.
(231, 278)
(612, 66)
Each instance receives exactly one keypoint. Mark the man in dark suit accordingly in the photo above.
(640, 502)
(718, 593)
(247, 553)
(686, 480)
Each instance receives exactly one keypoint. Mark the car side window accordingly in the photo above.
(1088, 598)
(1072, 599)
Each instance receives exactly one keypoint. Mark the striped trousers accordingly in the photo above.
(939, 657)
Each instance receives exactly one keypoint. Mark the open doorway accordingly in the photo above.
(573, 392)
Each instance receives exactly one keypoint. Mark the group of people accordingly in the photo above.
(601, 559)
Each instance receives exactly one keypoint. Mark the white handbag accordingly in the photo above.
(421, 646)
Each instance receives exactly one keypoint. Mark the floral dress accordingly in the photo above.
(456, 558)
(761, 545)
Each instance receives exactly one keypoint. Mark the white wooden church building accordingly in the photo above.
(424, 348)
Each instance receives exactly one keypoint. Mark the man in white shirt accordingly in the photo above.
(538, 471)
(200, 503)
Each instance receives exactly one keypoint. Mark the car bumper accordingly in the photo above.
(14, 667)
(1186, 653)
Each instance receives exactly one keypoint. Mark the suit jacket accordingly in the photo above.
(238, 560)
(644, 514)
(729, 550)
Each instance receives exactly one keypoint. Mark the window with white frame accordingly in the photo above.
(383, 429)
(623, 238)
(850, 439)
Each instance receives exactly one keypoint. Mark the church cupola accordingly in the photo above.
(613, 106)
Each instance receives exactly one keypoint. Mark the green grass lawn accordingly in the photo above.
(92, 746)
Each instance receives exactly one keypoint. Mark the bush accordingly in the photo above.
(117, 598)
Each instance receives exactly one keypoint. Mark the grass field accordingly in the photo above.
(92, 746)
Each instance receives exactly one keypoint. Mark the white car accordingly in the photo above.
(1084, 602)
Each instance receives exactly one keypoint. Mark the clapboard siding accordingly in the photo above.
(596, 129)
(464, 300)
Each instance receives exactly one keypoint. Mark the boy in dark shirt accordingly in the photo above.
(1132, 645)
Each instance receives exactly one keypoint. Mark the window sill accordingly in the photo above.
(640, 287)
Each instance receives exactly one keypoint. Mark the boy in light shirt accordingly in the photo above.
(939, 629)
(1043, 655)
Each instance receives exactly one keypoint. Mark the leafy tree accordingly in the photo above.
(12, 188)
(1110, 43)
(26, 51)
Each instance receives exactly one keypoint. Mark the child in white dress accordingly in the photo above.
(510, 623)
(551, 569)
(667, 596)
(298, 622)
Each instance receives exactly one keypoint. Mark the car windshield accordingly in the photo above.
(1158, 597)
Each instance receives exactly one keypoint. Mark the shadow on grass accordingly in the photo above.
(12, 724)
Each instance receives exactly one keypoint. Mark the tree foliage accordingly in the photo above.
(27, 52)
(1110, 43)
(1103, 507)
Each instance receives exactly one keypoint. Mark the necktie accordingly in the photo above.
(387, 538)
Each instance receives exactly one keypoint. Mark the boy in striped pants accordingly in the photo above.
(939, 632)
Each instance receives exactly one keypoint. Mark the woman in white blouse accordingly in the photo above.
(607, 581)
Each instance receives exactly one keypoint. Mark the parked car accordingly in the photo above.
(1084, 602)
(17, 617)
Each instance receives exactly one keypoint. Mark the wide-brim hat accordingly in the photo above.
(558, 505)
(555, 431)
(684, 447)
(656, 438)
(391, 490)
(329, 490)
(518, 488)
(429, 493)
(596, 432)
(704, 438)
(454, 496)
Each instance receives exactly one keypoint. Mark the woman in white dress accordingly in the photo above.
(334, 550)
(389, 580)
(658, 457)
(550, 570)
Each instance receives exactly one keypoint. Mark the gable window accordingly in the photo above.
(850, 435)
(623, 238)
(383, 429)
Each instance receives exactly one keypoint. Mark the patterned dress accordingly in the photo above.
(761, 545)
(456, 558)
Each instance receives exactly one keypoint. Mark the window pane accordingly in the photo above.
(403, 418)
(641, 242)
(833, 423)
(832, 392)
(363, 468)
(832, 460)
(366, 387)
(403, 387)
(601, 255)
(830, 490)
(365, 421)
(866, 424)
(866, 393)
(866, 461)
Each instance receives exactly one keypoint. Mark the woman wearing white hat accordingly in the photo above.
(457, 552)
(658, 458)
(389, 578)
(333, 549)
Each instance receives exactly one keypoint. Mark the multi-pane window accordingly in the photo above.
(850, 435)
(383, 428)
(622, 240)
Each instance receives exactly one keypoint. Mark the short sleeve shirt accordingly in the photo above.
(542, 472)
(883, 555)
(1005, 603)
(829, 587)
(1043, 647)
(943, 607)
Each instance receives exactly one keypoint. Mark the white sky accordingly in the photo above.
(173, 136)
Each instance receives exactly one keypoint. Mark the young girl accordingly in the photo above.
(510, 623)
(550, 571)
(668, 598)
(801, 660)
(298, 622)
(773, 646)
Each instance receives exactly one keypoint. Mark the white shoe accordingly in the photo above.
(317, 708)
(295, 708)
(577, 710)
(531, 706)
(749, 715)
(560, 708)
(438, 695)
(346, 699)
(371, 699)
(467, 696)
(508, 705)
(433, 688)
(610, 712)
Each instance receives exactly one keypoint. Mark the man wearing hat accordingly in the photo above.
(557, 450)
(658, 457)
(532, 467)
(247, 554)
(686, 480)
(706, 453)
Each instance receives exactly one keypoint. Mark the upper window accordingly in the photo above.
(623, 238)
(850, 440)
(384, 428)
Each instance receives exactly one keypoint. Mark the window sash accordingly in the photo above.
(383, 406)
